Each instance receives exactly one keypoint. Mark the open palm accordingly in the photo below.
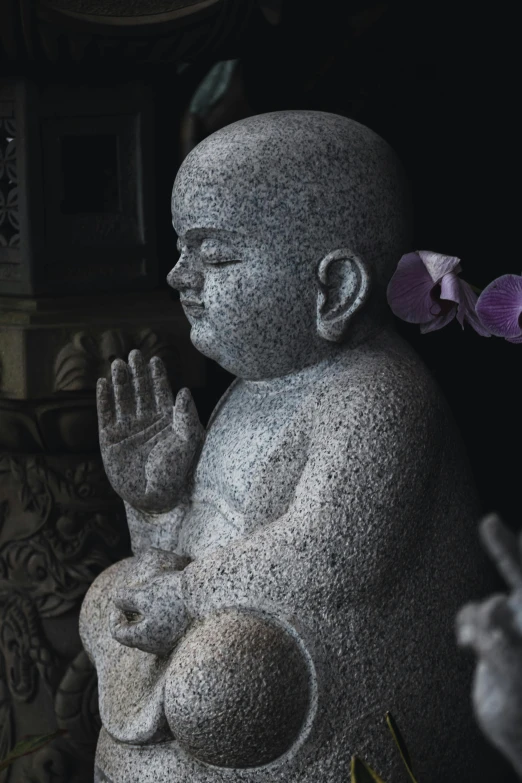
(148, 444)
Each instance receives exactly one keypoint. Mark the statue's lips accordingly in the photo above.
(192, 307)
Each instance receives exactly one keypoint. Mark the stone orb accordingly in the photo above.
(238, 690)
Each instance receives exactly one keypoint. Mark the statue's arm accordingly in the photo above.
(368, 474)
(155, 531)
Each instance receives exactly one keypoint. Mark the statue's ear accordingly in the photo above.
(344, 285)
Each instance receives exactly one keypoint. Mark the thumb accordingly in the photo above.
(185, 419)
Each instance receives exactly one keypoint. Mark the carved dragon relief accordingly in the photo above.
(70, 759)
(59, 526)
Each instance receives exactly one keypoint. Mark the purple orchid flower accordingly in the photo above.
(499, 307)
(425, 289)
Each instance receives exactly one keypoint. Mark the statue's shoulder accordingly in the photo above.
(386, 379)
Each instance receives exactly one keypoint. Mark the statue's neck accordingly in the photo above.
(295, 379)
(374, 321)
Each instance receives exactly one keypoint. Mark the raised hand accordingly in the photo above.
(148, 445)
(493, 630)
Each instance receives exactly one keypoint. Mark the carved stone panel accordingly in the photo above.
(9, 220)
(52, 347)
(60, 521)
(60, 525)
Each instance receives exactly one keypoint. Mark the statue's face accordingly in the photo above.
(251, 306)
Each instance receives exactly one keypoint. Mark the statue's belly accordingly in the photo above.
(368, 659)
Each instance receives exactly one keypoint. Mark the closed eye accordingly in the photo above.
(222, 262)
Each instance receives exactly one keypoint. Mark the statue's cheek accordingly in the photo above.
(238, 690)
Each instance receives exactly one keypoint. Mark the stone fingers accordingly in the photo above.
(124, 403)
(186, 422)
(138, 391)
(151, 617)
(487, 628)
(162, 393)
(142, 385)
(503, 547)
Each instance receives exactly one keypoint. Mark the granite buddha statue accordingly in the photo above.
(297, 565)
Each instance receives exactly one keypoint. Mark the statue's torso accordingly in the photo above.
(257, 446)
(255, 450)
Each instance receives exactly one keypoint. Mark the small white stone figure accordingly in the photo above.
(298, 565)
(493, 629)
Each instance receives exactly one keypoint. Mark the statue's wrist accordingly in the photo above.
(157, 501)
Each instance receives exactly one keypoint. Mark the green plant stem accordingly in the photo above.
(29, 745)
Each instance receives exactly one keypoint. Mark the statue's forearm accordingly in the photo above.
(158, 530)
(155, 524)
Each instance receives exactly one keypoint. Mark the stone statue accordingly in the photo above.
(493, 629)
(298, 566)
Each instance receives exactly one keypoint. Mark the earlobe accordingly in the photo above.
(344, 285)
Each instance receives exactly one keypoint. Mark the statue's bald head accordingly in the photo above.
(284, 222)
(319, 181)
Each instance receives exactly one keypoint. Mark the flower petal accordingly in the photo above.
(450, 288)
(466, 310)
(409, 291)
(499, 306)
(438, 265)
(439, 321)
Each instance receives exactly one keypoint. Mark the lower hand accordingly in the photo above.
(148, 611)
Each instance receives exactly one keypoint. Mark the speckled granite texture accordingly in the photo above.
(298, 566)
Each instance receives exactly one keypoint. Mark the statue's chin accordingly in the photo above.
(204, 341)
(245, 361)
(199, 338)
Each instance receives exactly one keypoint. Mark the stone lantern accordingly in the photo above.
(85, 142)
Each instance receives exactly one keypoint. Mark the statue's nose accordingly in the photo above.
(185, 275)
